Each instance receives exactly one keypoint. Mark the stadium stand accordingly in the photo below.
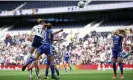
(10, 5)
(48, 4)
(55, 25)
(117, 23)
(106, 2)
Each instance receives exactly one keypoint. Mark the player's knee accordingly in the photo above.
(47, 66)
(32, 50)
(113, 60)
(119, 59)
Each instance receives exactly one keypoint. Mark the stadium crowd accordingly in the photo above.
(85, 50)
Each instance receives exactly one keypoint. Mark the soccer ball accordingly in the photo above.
(81, 4)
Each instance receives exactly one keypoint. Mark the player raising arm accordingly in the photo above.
(117, 51)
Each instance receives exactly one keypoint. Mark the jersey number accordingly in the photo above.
(40, 30)
(49, 36)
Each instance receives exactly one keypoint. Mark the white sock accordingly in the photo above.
(30, 73)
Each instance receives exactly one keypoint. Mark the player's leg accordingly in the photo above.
(37, 69)
(69, 66)
(51, 58)
(65, 66)
(30, 72)
(49, 52)
(120, 64)
(30, 58)
(40, 52)
(47, 69)
(114, 60)
(57, 71)
(30, 61)
(30, 75)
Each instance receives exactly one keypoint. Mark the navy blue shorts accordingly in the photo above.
(47, 49)
(116, 53)
(47, 62)
(67, 59)
(37, 42)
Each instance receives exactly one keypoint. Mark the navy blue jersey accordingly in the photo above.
(67, 54)
(117, 40)
(46, 46)
(48, 38)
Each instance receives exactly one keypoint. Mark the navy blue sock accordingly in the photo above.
(30, 60)
(52, 69)
(121, 67)
(57, 71)
(114, 68)
(46, 72)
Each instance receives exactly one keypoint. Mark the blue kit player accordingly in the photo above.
(67, 60)
(47, 62)
(117, 51)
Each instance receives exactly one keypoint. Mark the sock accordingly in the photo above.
(65, 68)
(114, 68)
(30, 60)
(121, 67)
(37, 71)
(30, 73)
(57, 71)
(46, 72)
(52, 69)
(70, 67)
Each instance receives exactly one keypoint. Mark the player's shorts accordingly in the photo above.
(37, 42)
(116, 53)
(66, 60)
(47, 62)
(47, 49)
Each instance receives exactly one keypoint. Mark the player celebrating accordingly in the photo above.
(67, 60)
(117, 51)
(46, 47)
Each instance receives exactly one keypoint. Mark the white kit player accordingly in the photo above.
(38, 32)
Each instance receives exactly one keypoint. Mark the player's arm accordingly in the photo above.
(121, 35)
(57, 39)
(58, 31)
(31, 34)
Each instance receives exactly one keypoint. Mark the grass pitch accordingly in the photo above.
(73, 75)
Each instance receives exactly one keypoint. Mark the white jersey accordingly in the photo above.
(38, 30)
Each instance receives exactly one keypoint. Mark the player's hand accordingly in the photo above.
(61, 30)
(30, 39)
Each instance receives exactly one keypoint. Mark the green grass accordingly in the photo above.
(74, 75)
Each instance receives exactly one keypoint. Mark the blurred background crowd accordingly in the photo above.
(86, 50)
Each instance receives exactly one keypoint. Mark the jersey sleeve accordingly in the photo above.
(33, 29)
